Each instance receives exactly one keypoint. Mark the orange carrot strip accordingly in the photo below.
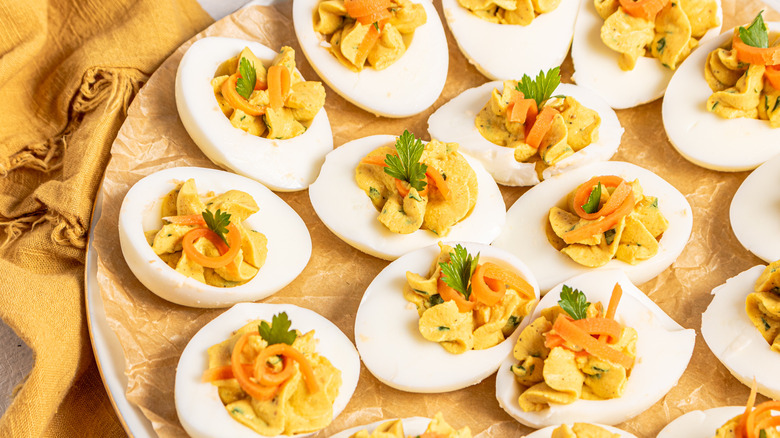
(377, 160)
(278, 85)
(376, 17)
(260, 85)
(189, 219)
(607, 222)
(367, 44)
(227, 253)
(511, 279)
(751, 423)
(583, 193)
(286, 350)
(769, 422)
(600, 326)
(522, 111)
(755, 55)
(646, 9)
(403, 190)
(614, 300)
(772, 74)
(449, 294)
(487, 291)
(541, 126)
(265, 374)
(742, 424)
(361, 8)
(439, 182)
(552, 340)
(223, 373)
(572, 334)
(255, 390)
(236, 100)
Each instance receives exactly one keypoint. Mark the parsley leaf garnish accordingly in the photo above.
(406, 165)
(756, 34)
(217, 222)
(593, 200)
(542, 87)
(248, 77)
(574, 302)
(458, 271)
(279, 331)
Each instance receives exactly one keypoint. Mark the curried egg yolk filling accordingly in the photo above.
(582, 430)
(573, 127)
(520, 12)
(562, 359)
(664, 29)
(288, 408)
(448, 195)
(437, 428)
(278, 105)
(628, 228)
(363, 32)
(763, 305)
(459, 323)
(183, 212)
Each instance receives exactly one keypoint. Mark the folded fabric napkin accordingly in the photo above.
(68, 71)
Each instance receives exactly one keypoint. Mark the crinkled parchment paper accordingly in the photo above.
(153, 332)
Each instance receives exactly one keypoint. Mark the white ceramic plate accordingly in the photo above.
(755, 211)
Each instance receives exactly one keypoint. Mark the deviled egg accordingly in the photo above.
(408, 86)
(405, 427)
(705, 138)
(455, 121)
(525, 236)
(198, 404)
(282, 165)
(700, 424)
(412, 425)
(390, 342)
(755, 212)
(663, 350)
(596, 65)
(733, 338)
(547, 432)
(288, 241)
(501, 51)
(350, 214)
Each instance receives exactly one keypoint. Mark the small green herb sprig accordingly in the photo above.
(217, 222)
(593, 200)
(246, 83)
(406, 165)
(755, 35)
(458, 271)
(574, 302)
(541, 88)
(279, 331)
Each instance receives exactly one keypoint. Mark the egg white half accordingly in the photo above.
(198, 406)
(289, 243)
(409, 86)
(412, 426)
(524, 234)
(504, 51)
(282, 165)
(705, 138)
(547, 431)
(733, 338)
(596, 65)
(663, 350)
(755, 211)
(390, 343)
(454, 122)
(348, 212)
(700, 424)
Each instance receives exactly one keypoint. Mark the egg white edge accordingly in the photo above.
(735, 341)
(524, 232)
(704, 138)
(385, 318)
(366, 233)
(191, 394)
(289, 243)
(500, 160)
(282, 165)
(504, 60)
(376, 91)
(700, 424)
(755, 212)
(547, 431)
(596, 65)
(636, 310)
(412, 425)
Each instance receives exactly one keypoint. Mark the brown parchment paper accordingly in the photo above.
(153, 332)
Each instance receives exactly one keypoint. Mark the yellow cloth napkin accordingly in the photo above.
(68, 71)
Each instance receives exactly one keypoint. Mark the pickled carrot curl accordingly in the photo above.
(439, 182)
(372, 36)
(236, 100)
(255, 390)
(278, 85)
(603, 224)
(646, 9)
(362, 8)
(582, 194)
(285, 351)
(522, 111)
(772, 74)
(449, 294)
(574, 335)
(488, 291)
(379, 17)
(541, 126)
(600, 326)
(404, 188)
(755, 55)
(227, 252)
(511, 279)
